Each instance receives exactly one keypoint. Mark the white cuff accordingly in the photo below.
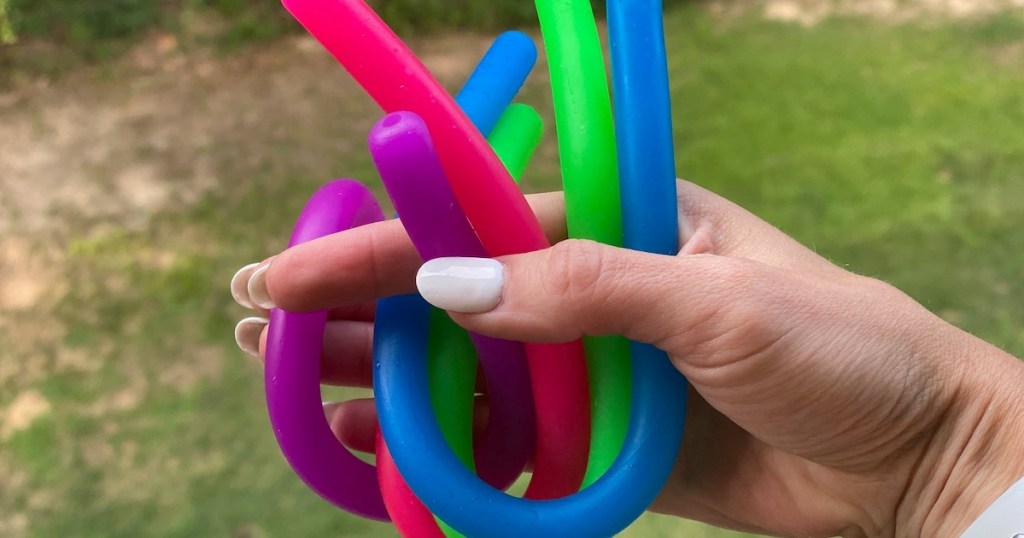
(1004, 519)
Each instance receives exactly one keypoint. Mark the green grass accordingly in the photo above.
(896, 151)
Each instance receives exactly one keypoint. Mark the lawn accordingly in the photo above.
(895, 150)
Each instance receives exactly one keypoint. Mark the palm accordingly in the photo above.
(728, 478)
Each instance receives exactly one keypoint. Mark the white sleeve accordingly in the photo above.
(1004, 519)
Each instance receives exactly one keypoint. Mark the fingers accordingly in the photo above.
(363, 264)
(581, 288)
(347, 356)
(248, 333)
(354, 423)
(240, 288)
(378, 260)
(363, 311)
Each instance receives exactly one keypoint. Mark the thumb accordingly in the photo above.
(816, 365)
(578, 288)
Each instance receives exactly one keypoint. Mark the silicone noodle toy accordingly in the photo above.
(340, 477)
(653, 439)
(586, 144)
(508, 439)
(463, 500)
(292, 372)
(498, 213)
(437, 226)
(612, 423)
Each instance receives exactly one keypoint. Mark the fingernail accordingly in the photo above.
(257, 287)
(240, 285)
(466, 285)
(247, 335)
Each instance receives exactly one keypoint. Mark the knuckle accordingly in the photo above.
(879, 288)
(740, 278)
(576, 268)
(744, 308)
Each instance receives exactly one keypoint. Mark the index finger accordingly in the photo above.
(369, 262)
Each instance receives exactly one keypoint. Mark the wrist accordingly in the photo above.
(974, 455)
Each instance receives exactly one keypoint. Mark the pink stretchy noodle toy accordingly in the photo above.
(398, 81)
(410, 517)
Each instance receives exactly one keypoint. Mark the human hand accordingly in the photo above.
(826, 403)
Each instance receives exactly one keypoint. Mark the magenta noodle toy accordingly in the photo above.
(292, 375)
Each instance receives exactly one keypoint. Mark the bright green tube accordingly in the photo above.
(515, 137)
(452, 374)
(586, 147)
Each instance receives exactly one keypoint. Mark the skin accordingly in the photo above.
(825, 403)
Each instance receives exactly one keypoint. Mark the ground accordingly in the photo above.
(884, 134)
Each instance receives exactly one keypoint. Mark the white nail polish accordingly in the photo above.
(257, 287)
(466, 285)
(240, 285)
(247, 335)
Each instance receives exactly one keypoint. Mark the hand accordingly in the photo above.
(825, 403)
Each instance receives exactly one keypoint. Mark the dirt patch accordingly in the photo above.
(810, 12)
(26, 408)
(1009, 56)
(14, 525)
(123, 400)
(31, 278)
(184, 375)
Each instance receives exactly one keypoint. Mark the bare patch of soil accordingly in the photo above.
(26, 408)
(810, 12)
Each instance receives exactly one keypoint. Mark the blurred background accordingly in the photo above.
(150, 148)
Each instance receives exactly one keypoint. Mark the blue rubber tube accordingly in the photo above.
(472, 507)
(497, 79)
(647, 167)
(643, 126)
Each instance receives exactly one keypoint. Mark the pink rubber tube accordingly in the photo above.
(398, 81)
(392, 75)
(416, 520)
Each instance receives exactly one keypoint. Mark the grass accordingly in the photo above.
(894, 150)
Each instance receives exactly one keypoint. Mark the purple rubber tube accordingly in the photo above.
(292, 373)
(404, 154)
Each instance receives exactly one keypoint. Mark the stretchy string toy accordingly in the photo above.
(451, 359)
(437, 226)
(294, 340)
(516, 136)
(509, 438)
(499, 214)
(292, 372)
(443, 144)
(647, 168)
(507, 442)
(586, 144)
(466, 503)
